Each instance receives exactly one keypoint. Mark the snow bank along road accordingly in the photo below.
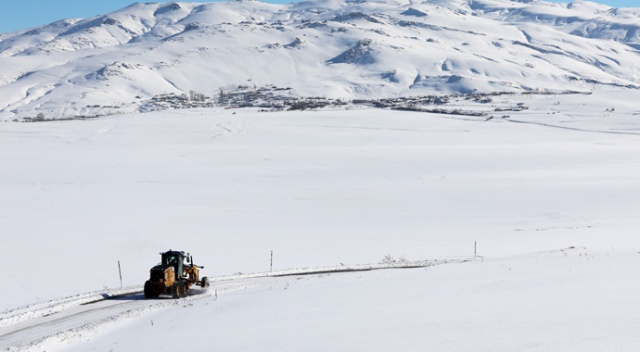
(573, 299)
(74, 317)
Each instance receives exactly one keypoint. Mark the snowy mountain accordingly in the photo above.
(118, 62)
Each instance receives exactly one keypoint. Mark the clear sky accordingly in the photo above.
(23, 14)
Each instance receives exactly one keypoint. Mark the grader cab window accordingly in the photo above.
(170, 259)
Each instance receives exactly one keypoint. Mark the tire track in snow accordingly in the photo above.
(85, 320)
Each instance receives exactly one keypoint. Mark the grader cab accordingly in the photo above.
(175, 275)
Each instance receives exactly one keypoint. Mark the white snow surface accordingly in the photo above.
(115, 63)
(549, 194)
(507, 222)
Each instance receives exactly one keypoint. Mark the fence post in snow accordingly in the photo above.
(271, 266)
(475, 249)
(120, 272)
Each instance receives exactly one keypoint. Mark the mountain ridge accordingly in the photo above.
(117, 62)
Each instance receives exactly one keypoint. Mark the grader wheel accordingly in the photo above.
(176, 290)
(148, 292)
(204, 283)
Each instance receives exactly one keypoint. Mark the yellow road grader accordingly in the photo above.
(175, 275)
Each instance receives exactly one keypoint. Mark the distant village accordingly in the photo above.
(270, 98)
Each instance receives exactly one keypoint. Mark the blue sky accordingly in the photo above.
(23, 14)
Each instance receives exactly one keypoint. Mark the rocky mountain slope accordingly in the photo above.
(120, 62)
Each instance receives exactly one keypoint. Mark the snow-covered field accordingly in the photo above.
(550, 195)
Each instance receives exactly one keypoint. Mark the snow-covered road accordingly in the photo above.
(571, 299)
(73, 318)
